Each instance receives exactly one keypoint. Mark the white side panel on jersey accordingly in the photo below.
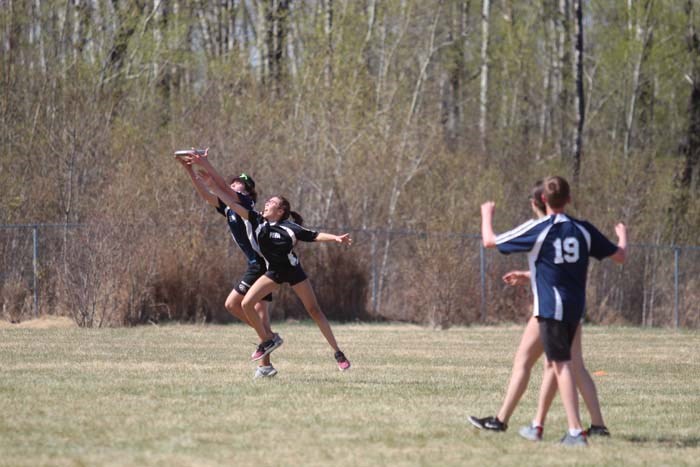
(293, 260)
(558, 305)
(252, 236)
(257, 247)
(531, 259)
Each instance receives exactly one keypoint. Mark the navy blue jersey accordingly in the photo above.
(276, 240)
(241, 231)
(559, 248)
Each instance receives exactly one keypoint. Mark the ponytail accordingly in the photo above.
(296, 217)
(287, 211)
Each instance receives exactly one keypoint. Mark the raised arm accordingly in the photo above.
(488, 237)
(326, 237)
(621, 254)
(202, 190)
(229, 197)
(202, 160)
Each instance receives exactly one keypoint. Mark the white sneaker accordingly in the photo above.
(265, 372)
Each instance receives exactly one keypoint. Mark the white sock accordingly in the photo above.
(535, 424)
(575, 431)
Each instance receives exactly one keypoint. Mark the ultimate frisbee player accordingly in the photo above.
(559, 248)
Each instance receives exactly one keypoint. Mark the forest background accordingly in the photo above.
(390, 119)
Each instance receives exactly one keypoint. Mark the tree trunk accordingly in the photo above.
(262, 42)
(328, 30)
(563, 76)
(451, 88)
(645, 36)
(691, 167)
(580, 103)
(483, 94)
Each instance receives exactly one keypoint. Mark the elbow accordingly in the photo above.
(488, 243)
(620, 256)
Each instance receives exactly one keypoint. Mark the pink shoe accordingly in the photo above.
(343, 363)
(266, 348)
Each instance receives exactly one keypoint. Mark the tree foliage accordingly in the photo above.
(367, 114)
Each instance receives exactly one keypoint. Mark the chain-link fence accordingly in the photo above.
(425, 277)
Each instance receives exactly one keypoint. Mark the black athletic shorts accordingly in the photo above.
(254, 271)
(291, 275)
(557, 337)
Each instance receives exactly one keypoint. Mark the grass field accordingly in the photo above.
(184, 395)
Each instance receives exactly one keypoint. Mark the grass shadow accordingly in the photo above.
(669, 442)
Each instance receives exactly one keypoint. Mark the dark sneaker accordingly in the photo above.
(579, 440)
(597, 430)
(266, 348)
(343, 363)
(488, 423)
(532, 433)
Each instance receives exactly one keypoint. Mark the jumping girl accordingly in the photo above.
(244, 188)
(276, 235)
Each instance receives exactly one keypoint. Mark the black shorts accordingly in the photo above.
(557, 337)
(253, 273)
(291, 274)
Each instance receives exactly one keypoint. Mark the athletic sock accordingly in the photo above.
(575, 431)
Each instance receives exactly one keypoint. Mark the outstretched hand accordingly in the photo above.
(345, 238)
(201, 160)
(517, 277)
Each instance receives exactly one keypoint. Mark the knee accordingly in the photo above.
(248, 304)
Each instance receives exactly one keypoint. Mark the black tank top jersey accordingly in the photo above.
(241, 231)
(276, 240)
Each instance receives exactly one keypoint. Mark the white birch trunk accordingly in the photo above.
(483, 93)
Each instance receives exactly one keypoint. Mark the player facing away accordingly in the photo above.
(529, 351)
(276, 235)
(244, 187)
(559, 248)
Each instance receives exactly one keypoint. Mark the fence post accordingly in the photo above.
(35, 267)
(482, 271)
(676, 269)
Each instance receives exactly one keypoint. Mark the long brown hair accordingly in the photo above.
(287, 211)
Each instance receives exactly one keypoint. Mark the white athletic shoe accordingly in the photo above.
(265, 372)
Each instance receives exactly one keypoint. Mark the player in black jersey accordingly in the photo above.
(276, 236)
(244, 186)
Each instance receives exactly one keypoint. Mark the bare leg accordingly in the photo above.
(528, 352)
(584, 382)
(234, 304)
(569, 396)
(306, 294)
(548, 391)
(261, 288)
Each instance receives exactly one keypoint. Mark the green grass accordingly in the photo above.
(184, 395)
